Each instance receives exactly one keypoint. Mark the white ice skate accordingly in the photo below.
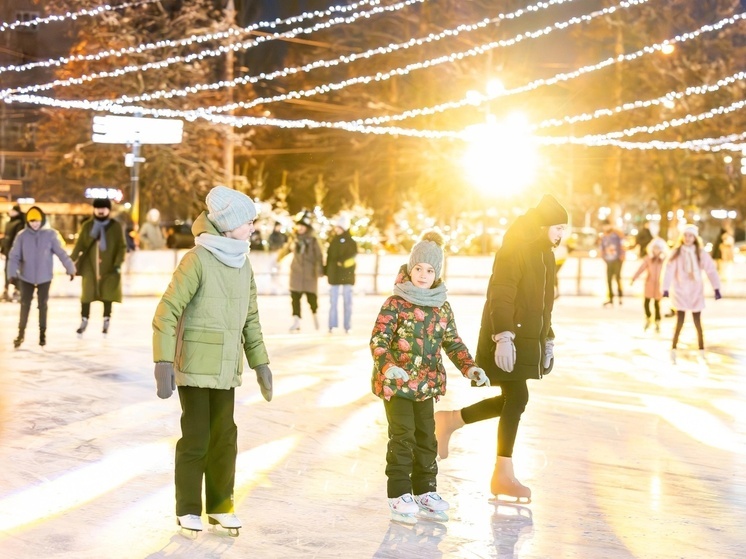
(82, 327)
(432, 506)
(295, 327)
(404, 509)
(107, 322)
(226, 520)
(191, 525)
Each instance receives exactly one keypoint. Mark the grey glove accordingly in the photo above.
(165, 379)
(505, 351)
(264, 379)
(548, 356)
(394, 372)
(478, 376)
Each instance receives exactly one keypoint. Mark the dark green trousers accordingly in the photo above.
(207, 448)
(412, 447)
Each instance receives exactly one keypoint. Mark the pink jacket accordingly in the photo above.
(654, 266)
(688, 293)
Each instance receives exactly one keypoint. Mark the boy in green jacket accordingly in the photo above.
(205, 323)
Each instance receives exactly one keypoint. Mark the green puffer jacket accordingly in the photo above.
(206, 317)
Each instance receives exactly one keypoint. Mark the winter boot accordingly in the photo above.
(18, 341)
(446, 422)
(82, 327)
(315, 321)
(42, 337)
(107, 320)
(503, 482)
(296, 324)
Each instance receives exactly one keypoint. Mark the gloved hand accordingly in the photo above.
(395, 372)
(478, 376)
(548, 356)
(665, 293)
(165, 379)
(264, 379)
(72, 276)
(717, 294)
(505, 351)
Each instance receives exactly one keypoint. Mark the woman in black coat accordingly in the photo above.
(340, 271)
(516, 341)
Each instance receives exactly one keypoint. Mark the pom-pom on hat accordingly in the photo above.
(428, 250)
(690, 228)
(551, 212)
(101, 203)
(228, 209)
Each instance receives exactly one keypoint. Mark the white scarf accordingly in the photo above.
(690, 261)
(230, 252)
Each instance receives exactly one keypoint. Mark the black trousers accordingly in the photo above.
(85, 309)
(614, 270)
(207, 448)
(656, 305)
(42, 297)
(412, 447)
(508, 406)
(312, 299)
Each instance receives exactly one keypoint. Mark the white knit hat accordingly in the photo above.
(691, 228)
(342, 221)
(228, 208)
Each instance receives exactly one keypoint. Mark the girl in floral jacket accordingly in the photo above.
(408, 374)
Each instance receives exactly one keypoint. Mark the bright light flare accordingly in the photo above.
(501, 156)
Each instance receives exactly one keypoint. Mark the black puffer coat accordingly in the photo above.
(340, 260)
(520, 297)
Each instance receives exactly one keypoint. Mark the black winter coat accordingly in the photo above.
(520, 297)
(340, 260)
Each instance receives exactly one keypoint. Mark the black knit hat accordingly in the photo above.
(101, 203)
(551, 212)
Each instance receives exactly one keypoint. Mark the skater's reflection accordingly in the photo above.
(420, 540)
(511, 525)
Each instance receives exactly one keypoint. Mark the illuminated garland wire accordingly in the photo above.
(732, 142)
(640, 104)
(169, 43)
(344, 59)
(4, 26)
(208, 53)
(558, 78)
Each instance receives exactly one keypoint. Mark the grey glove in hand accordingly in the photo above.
(478, 376)
(264, 379)
(395, 372)
(505, 351)
(165, 379)
(548, 356)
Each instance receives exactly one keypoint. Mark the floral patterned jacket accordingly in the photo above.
(411, 336)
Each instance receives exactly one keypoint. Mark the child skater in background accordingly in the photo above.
(408, 374)
(683, 276)
(653, 265)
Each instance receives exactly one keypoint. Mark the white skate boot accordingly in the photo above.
(226, 520)
(82, 327)
(107, 322)
(432, 506)
(191, 524)
(404, 509)
(296, 325)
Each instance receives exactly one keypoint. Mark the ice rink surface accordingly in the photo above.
(627, 455)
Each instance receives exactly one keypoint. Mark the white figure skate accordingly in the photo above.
(432, 507)
(404, 509)
(226, 520)
(190, 524)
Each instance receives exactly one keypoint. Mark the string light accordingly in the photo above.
(723, 143)
(344, 59)
(4, 26)
(664, 100)
(472, 100)
(144, 47)
(209, 53)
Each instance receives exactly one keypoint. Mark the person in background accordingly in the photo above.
(255, 242)
(98, 254)
(516, 338)
(31, 262)
(653, 265)
(340, 271)
(12, 228)
(305, 269)
(612, 251)
(683, 277)
(150, 234)
(643, 238)
(408, 375)
(204, 325)
(277, 238)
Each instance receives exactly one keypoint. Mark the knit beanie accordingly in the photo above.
(342, 222)
(551, 212)
(228, 209)
(34, 214)
(101, 203)
(429, 250)
(690, 228)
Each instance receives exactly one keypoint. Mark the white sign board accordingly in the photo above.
(112, 129)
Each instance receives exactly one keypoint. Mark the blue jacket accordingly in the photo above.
(31, 259)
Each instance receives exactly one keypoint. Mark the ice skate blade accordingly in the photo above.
(188, 533)
(502, 499)
(435, 515)
(220, 531)
(406, 519)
